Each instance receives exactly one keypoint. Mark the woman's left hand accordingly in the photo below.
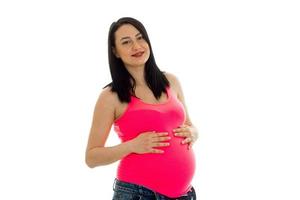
(189, 133)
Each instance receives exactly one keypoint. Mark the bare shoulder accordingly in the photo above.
(107, 93)
(174, 82)
(109, 101)
(171, 77)
(107, 98)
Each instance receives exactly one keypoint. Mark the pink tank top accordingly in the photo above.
(169, 173)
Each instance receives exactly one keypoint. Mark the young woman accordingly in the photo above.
(147, 110)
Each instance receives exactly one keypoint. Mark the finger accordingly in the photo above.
(190, 145)
(186, 140)
(159, 139)
(162, 144)
(160, 134)
(183, 134)
(156, 151)
(177, 130)
(183, 126)
(180, 129)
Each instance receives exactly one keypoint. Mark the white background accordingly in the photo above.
(238, 63)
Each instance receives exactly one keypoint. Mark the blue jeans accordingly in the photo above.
(129, 191)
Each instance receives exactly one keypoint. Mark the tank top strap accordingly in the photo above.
(169, 93)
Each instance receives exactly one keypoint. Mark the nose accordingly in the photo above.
(135, 45)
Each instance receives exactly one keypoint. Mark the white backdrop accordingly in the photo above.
(238, 63)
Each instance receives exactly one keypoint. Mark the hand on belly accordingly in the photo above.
(149, 142)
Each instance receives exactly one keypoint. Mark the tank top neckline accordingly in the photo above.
(155, 104)
(136, 99)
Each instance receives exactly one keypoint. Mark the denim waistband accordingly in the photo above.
(132, 188)
(141, 190)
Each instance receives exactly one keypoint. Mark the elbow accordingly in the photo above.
(94, 158)
(89, 164)
(88, 161)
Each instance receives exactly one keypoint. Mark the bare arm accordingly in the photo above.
(97, 154)
(188, 128)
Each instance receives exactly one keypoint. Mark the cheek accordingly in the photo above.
(123, 53)
(146, 46)
(148, 51)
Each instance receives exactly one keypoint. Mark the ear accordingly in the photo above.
(115, 52)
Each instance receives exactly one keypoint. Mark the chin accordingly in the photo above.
(142, 63)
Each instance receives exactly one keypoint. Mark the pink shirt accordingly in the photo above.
(169, 173)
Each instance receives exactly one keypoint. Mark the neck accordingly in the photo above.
(138, 74)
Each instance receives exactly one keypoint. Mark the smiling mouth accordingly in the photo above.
(139, 54)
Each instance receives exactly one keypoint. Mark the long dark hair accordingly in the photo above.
(122, 81)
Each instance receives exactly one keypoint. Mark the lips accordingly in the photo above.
(138, 54)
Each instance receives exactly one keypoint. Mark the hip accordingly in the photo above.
(129, 191)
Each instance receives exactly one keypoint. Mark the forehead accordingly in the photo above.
(126, 30)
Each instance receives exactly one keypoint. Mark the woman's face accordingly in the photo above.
(130, 46)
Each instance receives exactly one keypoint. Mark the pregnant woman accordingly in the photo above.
(147, 110)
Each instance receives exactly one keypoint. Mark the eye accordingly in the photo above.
(125, 42)
(140, 37)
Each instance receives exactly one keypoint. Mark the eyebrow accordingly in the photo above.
(127, 37)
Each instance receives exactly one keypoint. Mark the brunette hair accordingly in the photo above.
(122, 81)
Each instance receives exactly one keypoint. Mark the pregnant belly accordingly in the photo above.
(169, 173)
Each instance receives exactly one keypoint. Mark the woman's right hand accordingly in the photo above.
(147, 141)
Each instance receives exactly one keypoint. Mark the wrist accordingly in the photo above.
(128, 147)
